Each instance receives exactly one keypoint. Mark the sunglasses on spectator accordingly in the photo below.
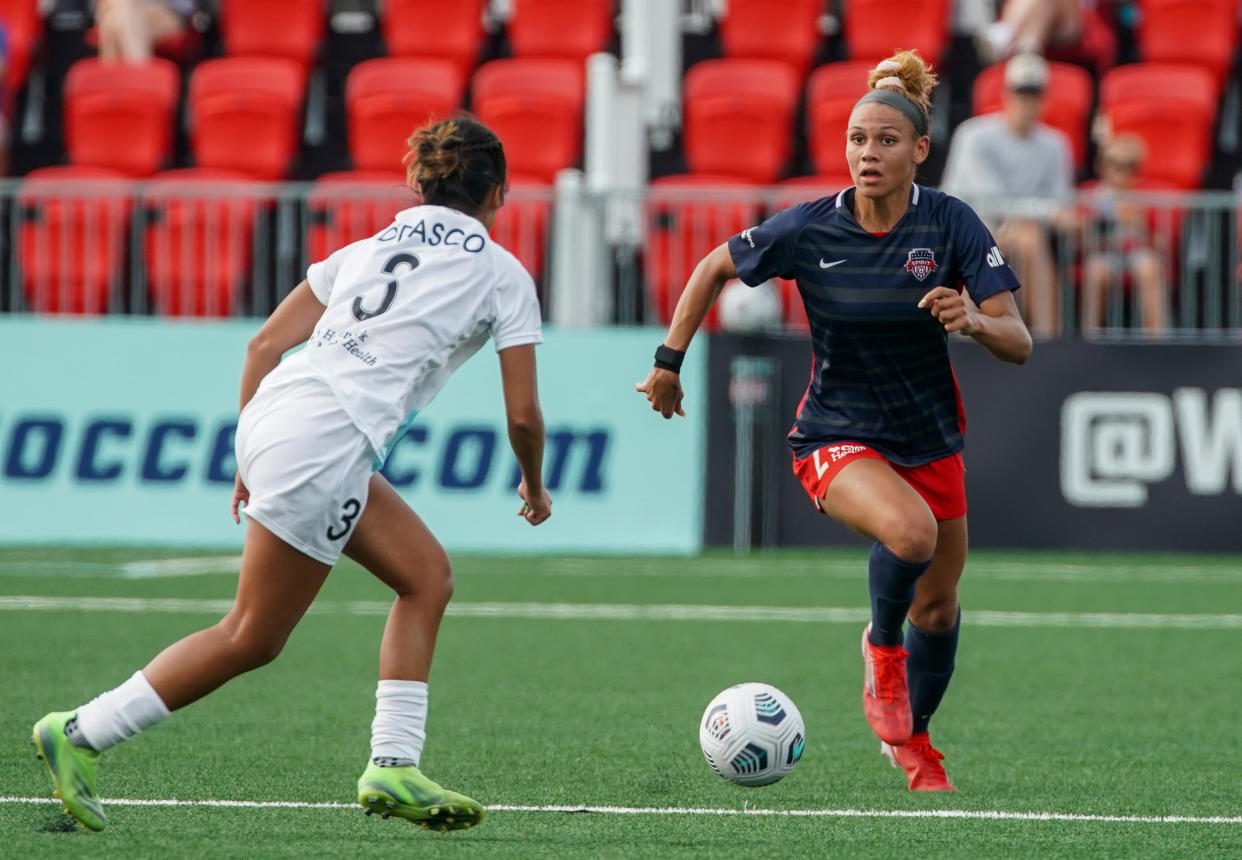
(1124, 165)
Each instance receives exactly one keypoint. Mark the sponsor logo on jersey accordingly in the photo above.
(833, 453)
(920, 262)
(995, 258)
(746, 236)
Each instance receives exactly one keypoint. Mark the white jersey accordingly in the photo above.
(404, 309)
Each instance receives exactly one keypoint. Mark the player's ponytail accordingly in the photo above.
(455, 163)
(906, 74)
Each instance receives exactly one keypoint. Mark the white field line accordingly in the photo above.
(976, 569)
(12, 563)
(155, 568)
(639, 612)
(163, 567)
(981, 814)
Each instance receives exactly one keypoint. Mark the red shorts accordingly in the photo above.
(941, 483)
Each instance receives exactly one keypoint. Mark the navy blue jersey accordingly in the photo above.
(880, 374)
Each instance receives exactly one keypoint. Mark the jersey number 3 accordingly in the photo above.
(348, 512)
(390, 291)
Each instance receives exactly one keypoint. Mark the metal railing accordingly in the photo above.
(198, 248)
(1138, 265)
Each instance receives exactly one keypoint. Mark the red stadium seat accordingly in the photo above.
(386, 99)
(433, 28)
(120, 115)
(199, 239)
(25, 28)
(535, 107)
(244, 114)
(751, 29)
(350, 205)
(739, 118)
(1096, 48)
(688, 216)
(875, 29)
(72, 229)
(1192, 32)
(291, 29)
(573, 29)
(522, 223)
(831, 93)
(1067, 101)
(1172, 108)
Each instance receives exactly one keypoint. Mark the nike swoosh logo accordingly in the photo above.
(824, 265)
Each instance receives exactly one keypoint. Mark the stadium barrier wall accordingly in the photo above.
(1088, 445)
(120, 431)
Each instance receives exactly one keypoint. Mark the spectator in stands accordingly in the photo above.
(1032, 26)
(1012, 155)
(1119, 241)
(129, 29)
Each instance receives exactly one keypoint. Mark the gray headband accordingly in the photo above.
(895, 100)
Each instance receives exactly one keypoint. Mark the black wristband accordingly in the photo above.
(668, 358)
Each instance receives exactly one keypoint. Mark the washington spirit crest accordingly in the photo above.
(921, 262)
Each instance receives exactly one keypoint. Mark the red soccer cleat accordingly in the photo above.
(921, 762)
(886, 699)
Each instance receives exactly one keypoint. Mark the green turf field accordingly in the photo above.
(1102, 690)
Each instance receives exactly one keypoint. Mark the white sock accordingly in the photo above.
(400, 723)
(119, 714)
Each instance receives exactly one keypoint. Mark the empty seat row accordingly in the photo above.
(195, 239)
(244, 112)
(194, 234)
(294, 29)
(1191, 32)
(790, 31)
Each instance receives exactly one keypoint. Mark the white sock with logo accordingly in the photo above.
(400, 724)
(119, 714)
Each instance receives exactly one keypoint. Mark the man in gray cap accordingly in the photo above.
(1017, 172)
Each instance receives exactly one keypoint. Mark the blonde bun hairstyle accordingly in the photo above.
(906, 74)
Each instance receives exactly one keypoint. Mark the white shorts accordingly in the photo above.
(306, 464)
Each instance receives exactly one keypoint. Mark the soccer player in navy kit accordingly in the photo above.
(878, 437)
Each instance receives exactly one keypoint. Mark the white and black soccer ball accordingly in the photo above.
(752, 734)
(749, 310)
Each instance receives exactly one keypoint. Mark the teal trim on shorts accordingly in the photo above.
(382, 457)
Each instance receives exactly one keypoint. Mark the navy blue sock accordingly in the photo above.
(929, 668)
(892, 591)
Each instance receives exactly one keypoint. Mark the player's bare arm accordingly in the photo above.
(663, 386)
(995, 323)
(526, 431)
(290, 324)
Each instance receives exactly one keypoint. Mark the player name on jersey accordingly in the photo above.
(434, 234)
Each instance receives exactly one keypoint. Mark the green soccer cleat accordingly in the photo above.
(406, 793)
(73, 769)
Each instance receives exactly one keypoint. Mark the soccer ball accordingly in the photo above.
(752, 734)
(749, 310)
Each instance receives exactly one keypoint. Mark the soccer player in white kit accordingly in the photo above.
(385, 322)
